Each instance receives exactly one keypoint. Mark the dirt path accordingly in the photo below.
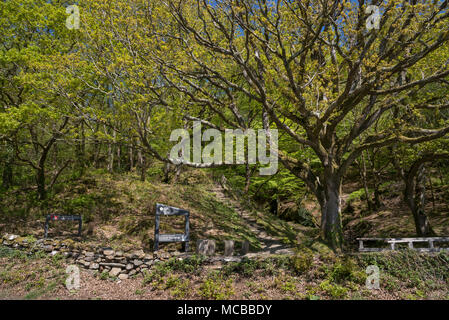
(269, 244)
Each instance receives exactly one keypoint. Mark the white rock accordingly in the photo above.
(123, 276)
(115, 272)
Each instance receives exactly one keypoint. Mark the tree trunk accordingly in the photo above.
(247, 177)
(376, 181)
(97, 149)
(7, 177)
(177, 174)
(432, 193)
(119, 156)
(40, 181)
(110, 154)
(330, 202)
(363, 175)
(80, 150)
(142, 165)
(166, 177)
(415, 197)
(131, 157)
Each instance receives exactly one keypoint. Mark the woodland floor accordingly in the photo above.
(120, 209)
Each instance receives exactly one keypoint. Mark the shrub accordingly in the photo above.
(180, 289)
(246, 267)
(189, 265)
(216, 288)
(333, 290)
(302, 260)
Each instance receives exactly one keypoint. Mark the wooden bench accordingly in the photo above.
(410, 241)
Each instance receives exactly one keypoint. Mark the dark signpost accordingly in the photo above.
(57, 217)
(163, 210)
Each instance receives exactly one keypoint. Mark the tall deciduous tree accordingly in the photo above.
(316, 72)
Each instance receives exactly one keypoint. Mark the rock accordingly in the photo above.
(129, 256)
(137, 262)
(232, 259)
(164, 255)
(12, 237)
(115, 272)
(53, 253)
(82, 262)
(94, 266)
(119, 254)
(113, 265)
(108, 252)
(89, 254)
(132, 272)
(144, 270)
(123, 276)
(205, 247)
(245, 247)
(120, 259)
(148, 256)
(229, 248)
(48, 248)
(129, 266)
(89, 259)
(139, 254)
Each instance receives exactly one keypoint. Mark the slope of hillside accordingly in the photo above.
(118, 211)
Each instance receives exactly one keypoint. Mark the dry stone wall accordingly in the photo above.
(116, 263)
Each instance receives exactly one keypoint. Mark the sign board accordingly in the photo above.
(57, 217)
(164, 210)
